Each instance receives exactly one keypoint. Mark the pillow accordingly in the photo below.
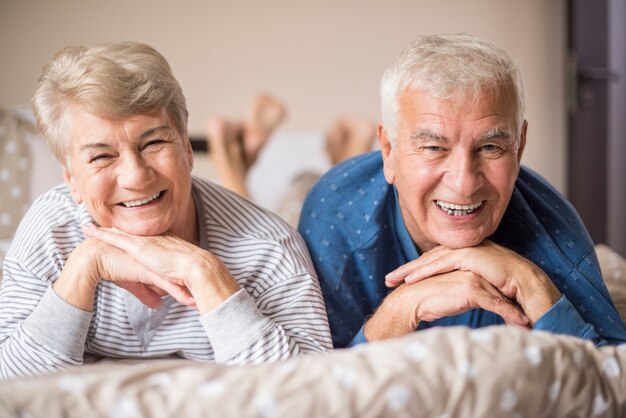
(614, 273)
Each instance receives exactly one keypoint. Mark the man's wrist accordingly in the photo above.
(389, 321)
(539, 297)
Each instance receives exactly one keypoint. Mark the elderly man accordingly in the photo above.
(443, 226)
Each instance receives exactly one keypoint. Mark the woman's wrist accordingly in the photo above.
(79, 279)
(211, 284)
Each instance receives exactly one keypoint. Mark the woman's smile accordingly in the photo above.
(143, 202)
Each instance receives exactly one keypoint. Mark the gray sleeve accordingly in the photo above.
(234, 325)
(50, 337)
(287, 319)
(59, 325)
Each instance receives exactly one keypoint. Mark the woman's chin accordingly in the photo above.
(141, 230)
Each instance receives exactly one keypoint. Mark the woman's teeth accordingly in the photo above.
(133, 203)
(458, 210)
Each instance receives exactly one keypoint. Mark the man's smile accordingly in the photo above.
(458, 210)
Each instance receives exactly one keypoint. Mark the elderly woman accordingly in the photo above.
(133, 257)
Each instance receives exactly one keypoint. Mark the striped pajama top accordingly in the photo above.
(278, 313)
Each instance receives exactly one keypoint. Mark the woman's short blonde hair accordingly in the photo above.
(115, 80)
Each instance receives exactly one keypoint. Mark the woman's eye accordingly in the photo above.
(99, 157)
(153, 143)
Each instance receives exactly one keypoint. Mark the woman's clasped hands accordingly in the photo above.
(152, 266)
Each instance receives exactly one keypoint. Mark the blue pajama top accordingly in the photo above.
(354, 230)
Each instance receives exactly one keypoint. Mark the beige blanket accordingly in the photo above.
(455, 372)
(443, 373)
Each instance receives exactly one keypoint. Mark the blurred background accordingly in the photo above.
(325, 59)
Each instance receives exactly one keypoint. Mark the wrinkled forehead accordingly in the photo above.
(502, 101)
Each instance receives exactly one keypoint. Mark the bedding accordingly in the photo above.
(443, 372)
(614, 273)
(455, 372)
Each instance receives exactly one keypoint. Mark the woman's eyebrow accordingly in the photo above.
(94, 145)
(152, 131)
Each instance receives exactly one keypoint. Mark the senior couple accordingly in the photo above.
(134, 258)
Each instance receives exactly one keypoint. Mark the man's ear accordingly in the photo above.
(69, 180)
(387, 151)
(522, 141)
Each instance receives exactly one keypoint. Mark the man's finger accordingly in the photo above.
(503, 307)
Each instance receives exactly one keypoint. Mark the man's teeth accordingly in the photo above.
(458, 210)
(132, 203)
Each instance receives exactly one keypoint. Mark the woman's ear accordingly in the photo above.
(190, 154)
(69, 180)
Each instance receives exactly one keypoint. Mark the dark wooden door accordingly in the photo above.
(596, 143)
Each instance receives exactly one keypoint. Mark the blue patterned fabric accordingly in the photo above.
(354, 230)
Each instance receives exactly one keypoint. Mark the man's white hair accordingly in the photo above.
(457, 66)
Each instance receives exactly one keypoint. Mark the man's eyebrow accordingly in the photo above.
(427, 135)
(495, 133)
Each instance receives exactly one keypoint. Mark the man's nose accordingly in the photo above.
(464, 174)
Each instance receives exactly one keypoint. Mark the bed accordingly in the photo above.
(444, 372)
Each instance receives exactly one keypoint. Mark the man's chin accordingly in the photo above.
(458, 242)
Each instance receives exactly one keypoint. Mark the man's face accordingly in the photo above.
(132, 173)
(454, 165)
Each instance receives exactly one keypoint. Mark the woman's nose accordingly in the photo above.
(134, 172)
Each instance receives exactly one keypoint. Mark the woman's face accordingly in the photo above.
(132, 173)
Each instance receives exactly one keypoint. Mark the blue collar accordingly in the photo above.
(407, 246)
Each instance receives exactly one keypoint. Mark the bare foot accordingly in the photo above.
(349, 137)
(225, 140)
(264, 115)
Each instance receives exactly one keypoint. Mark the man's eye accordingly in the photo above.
(490, 148)
(433, 148)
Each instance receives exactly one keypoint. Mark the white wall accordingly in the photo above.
(324, 58)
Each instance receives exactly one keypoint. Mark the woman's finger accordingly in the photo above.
(110, 236)
(147, 296)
